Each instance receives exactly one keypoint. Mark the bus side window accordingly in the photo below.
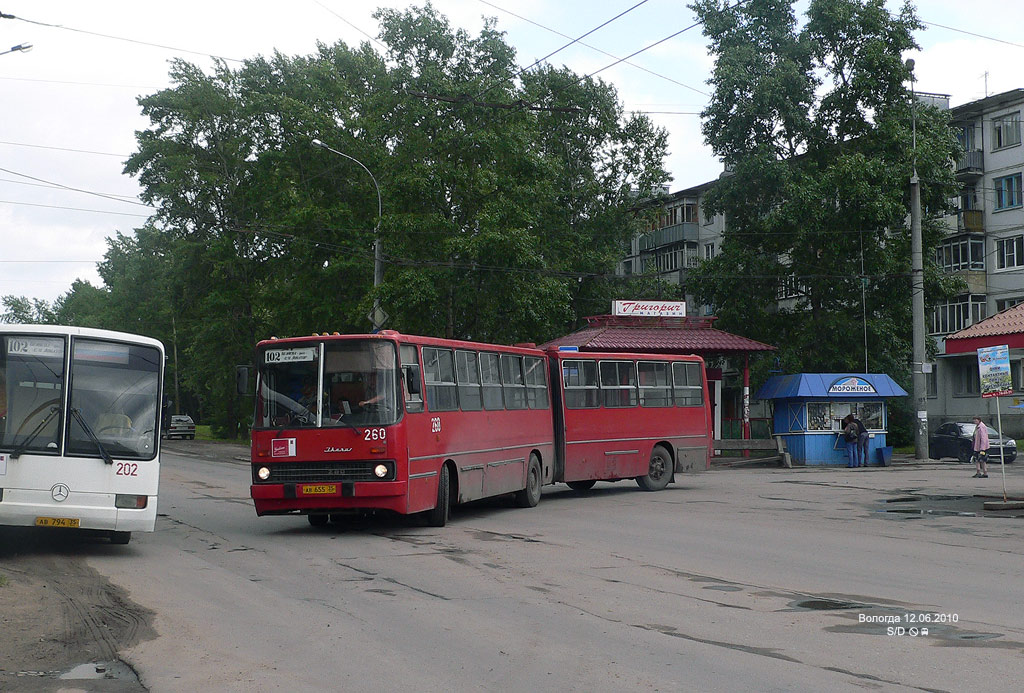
(689, 388)
(468, 376)
(579, 380)
(490, 378)
(411, 379)
(439, 372)
(536, 383)
(618, 383)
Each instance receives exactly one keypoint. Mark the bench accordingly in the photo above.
(776, 444)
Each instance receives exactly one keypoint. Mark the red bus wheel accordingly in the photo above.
(438, 517)
(659, 473)
(530, 496)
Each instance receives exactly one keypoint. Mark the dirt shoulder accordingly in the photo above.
(57, 614)
(59, 617)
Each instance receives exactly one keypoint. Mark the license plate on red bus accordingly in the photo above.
(66, 522)
(319, 489)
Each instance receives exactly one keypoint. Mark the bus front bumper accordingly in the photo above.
(278, 499)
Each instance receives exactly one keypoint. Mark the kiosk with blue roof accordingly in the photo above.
(809, 409)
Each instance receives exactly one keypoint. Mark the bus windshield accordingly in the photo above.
(349, 382)
(31, 393)
(114, 392)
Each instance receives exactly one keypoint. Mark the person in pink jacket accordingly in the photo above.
(980, 448)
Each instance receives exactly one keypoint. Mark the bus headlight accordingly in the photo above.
(263, 473)
(381, 470)
(134, 502)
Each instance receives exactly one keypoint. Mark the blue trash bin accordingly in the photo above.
(885, 455)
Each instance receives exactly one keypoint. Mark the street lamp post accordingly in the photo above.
(376, 318)
(20, 48)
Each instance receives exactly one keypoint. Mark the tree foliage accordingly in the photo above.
(814, 123)
(506, 200)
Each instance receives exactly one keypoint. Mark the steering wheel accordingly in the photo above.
(37, 410)
(112, 428)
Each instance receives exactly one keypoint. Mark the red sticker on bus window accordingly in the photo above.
(282, 447)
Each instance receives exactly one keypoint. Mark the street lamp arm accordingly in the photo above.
(21, 47)
(321, 145)
(377, 317)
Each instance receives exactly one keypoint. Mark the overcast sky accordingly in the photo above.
(69, 112)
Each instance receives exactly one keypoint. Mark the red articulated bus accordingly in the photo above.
(358, 423)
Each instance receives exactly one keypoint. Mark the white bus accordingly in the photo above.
(79, 429)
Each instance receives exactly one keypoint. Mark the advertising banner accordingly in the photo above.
(994, 370)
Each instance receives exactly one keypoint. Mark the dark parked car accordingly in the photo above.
(181, 427)
(956, 439)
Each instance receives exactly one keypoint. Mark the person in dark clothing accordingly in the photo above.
(849, 435)
(862, 443)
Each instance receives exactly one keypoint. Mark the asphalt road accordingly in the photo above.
(757, 579)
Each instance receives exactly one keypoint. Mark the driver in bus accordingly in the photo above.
(370, 393)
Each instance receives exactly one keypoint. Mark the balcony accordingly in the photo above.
(687, 231)
(970, 221)
(971, 164)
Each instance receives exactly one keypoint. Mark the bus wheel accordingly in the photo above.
(438, 517)
(530, 496)
(581, 485)
(658, 473)
(120, 537)
(318, 520)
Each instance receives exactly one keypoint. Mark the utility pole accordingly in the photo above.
(919, 381)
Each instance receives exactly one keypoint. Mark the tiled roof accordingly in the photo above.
(1009, 321)
(1004, 328)
(658, 339)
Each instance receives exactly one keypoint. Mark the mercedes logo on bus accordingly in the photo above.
(60, 492)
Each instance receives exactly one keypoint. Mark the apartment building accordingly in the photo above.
(676, 241)
(985, 246)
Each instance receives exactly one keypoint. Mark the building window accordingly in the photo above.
(961, 253)
(709, 251)
(690, 213)
(969, 198)
(1008, 192)
(1010, 252)
(961, 312)
(966, 136)
(966, 382)
(1006, 131)
(932, 382)
(790, 287)
(1004, 303)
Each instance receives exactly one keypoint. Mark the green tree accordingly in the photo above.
(26, 311)
(814, 123)
(506, 198)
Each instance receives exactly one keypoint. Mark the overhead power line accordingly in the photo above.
(656, 43)
(68, 187)
(351, 24)
(971, 33)
(64, 149)
(73, 209)
(122, 38)
(594, 48)
(562, 48)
